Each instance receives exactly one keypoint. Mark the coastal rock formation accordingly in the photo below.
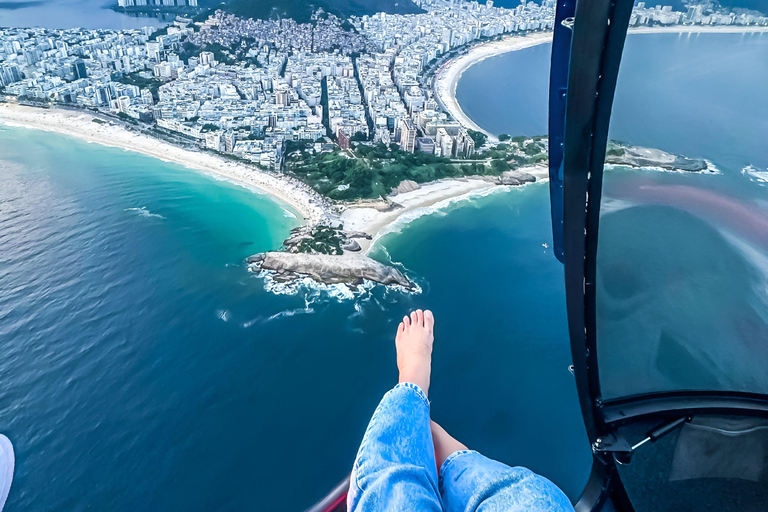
(327, 269)
(323, 239)
(405, 186)
(515, 178)
(351, 246)
(635, 156)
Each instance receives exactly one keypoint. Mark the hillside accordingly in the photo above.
(301, 10)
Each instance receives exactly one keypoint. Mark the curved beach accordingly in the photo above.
(308, 203)
(300, 197)
(448, 76)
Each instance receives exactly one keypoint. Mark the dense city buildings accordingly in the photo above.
(247, 87)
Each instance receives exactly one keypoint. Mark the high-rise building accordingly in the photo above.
(146, 97)
(425, 144)
(407, 135)
(10, 73)
(79, 69)
(213, 140)
(206, 59)
(229, 141)
(153, 50)
(123, 102)
(343, 139)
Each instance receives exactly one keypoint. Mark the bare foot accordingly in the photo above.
(444, 444)
(414, 348)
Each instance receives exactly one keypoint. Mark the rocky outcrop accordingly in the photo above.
(515, 178)
(327, 269)
(350, 246)
(635, 156)
(323, 239)
(405, 186)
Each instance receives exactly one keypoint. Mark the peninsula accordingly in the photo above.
(351, 122)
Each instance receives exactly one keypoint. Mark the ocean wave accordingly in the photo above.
(756, 174)
(314, 291)
(144, 212)
(442, 208)
(711, 169)
(289, 214)
(282, 314)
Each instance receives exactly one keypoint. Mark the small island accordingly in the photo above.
(349, 118)
(329, 256)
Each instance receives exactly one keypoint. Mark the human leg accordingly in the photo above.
(470, 481)
(395, 467)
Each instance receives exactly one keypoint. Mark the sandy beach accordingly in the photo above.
(449, 74)
(422, 201)
(291, 192)
(80, 124)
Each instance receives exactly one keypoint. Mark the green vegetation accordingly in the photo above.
(159, 32)
(136, 79)
(301, 10)
(324, 240)
(479, 138)
(503, 137)
(372, 171)
(125, 117)
(614, 149)
(98, 121)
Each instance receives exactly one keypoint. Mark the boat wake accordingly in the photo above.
(144, 212)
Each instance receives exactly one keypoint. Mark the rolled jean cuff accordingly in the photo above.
(413, 387)
(450, 459)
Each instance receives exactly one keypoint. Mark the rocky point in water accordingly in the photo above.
(328, 255)
(328, 268)
(635, 156)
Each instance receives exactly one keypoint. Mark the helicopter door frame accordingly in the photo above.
(592, 34)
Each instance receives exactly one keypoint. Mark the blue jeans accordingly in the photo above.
(395, 469)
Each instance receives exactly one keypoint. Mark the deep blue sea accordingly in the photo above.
(682, 258)
(145, 369)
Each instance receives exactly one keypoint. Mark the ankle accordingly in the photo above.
(417, 376)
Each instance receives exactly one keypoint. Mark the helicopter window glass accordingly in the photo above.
(682, 264)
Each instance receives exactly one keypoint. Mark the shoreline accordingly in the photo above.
(307, 203)
(419, 202)
(448, 76)
(299, 197)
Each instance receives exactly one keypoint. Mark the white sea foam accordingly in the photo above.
(442, 208)
(144, 212)
(314, 291)
(289, 214)
(756, 174)
(711, 169)
(282, 314)
(223, 315)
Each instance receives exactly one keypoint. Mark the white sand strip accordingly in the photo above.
(80, 124)
(449, 74)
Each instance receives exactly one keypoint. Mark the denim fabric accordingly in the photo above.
(395, 469)
(470, 481)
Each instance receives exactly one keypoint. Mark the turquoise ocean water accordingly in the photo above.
(145, 369)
